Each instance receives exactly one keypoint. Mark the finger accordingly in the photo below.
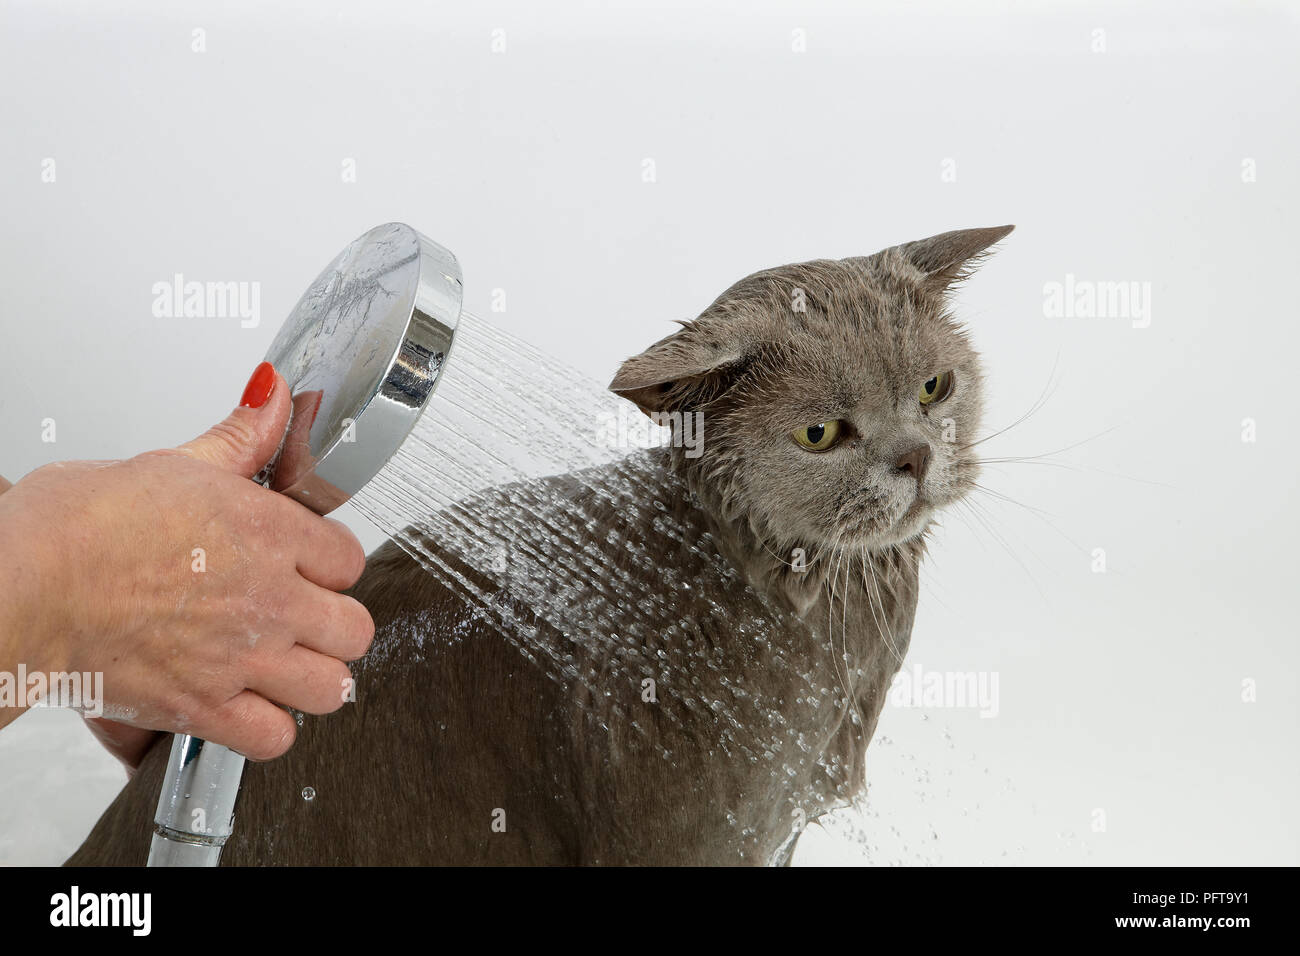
(249, 724)
(327, 552)
(336, 625)
(127, 743)
(246, 439)
(304, 680)
(295, 454)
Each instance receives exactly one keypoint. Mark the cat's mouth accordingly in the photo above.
(882, 521)
(913, 521)
(913, 513)
(920, 505)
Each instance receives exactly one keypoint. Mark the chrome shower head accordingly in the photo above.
(362, 352)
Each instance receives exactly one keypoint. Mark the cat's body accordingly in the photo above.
(705, 724)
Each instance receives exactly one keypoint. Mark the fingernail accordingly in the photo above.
(259, 387)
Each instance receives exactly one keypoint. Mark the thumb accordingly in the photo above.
(249, 436)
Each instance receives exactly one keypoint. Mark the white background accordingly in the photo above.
(1120, 692)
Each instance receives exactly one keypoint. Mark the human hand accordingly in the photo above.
(204, 599)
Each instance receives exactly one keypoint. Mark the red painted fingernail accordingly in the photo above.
(259, 387)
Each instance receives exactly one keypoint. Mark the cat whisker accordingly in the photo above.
(1069, 467)
(975, 485)
(984, 520)
(830, 624)
(849, 688)
(1037, 513)
(880, 628)
(925, 582)
(1046, 454)
(1043, 398)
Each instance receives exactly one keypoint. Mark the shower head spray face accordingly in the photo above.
(362, 352)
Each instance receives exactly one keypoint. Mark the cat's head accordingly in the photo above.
(837, 398)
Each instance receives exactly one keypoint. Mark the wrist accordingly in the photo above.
(26, 636)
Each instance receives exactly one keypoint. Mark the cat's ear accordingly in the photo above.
(952, 256)
(686, 369)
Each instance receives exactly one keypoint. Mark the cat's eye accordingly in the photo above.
(818, 437)
(936, 389)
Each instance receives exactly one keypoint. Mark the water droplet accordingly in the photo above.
(309, 793)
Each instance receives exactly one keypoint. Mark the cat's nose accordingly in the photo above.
(915, 462)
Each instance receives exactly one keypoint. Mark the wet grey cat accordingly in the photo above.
(840, 398)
